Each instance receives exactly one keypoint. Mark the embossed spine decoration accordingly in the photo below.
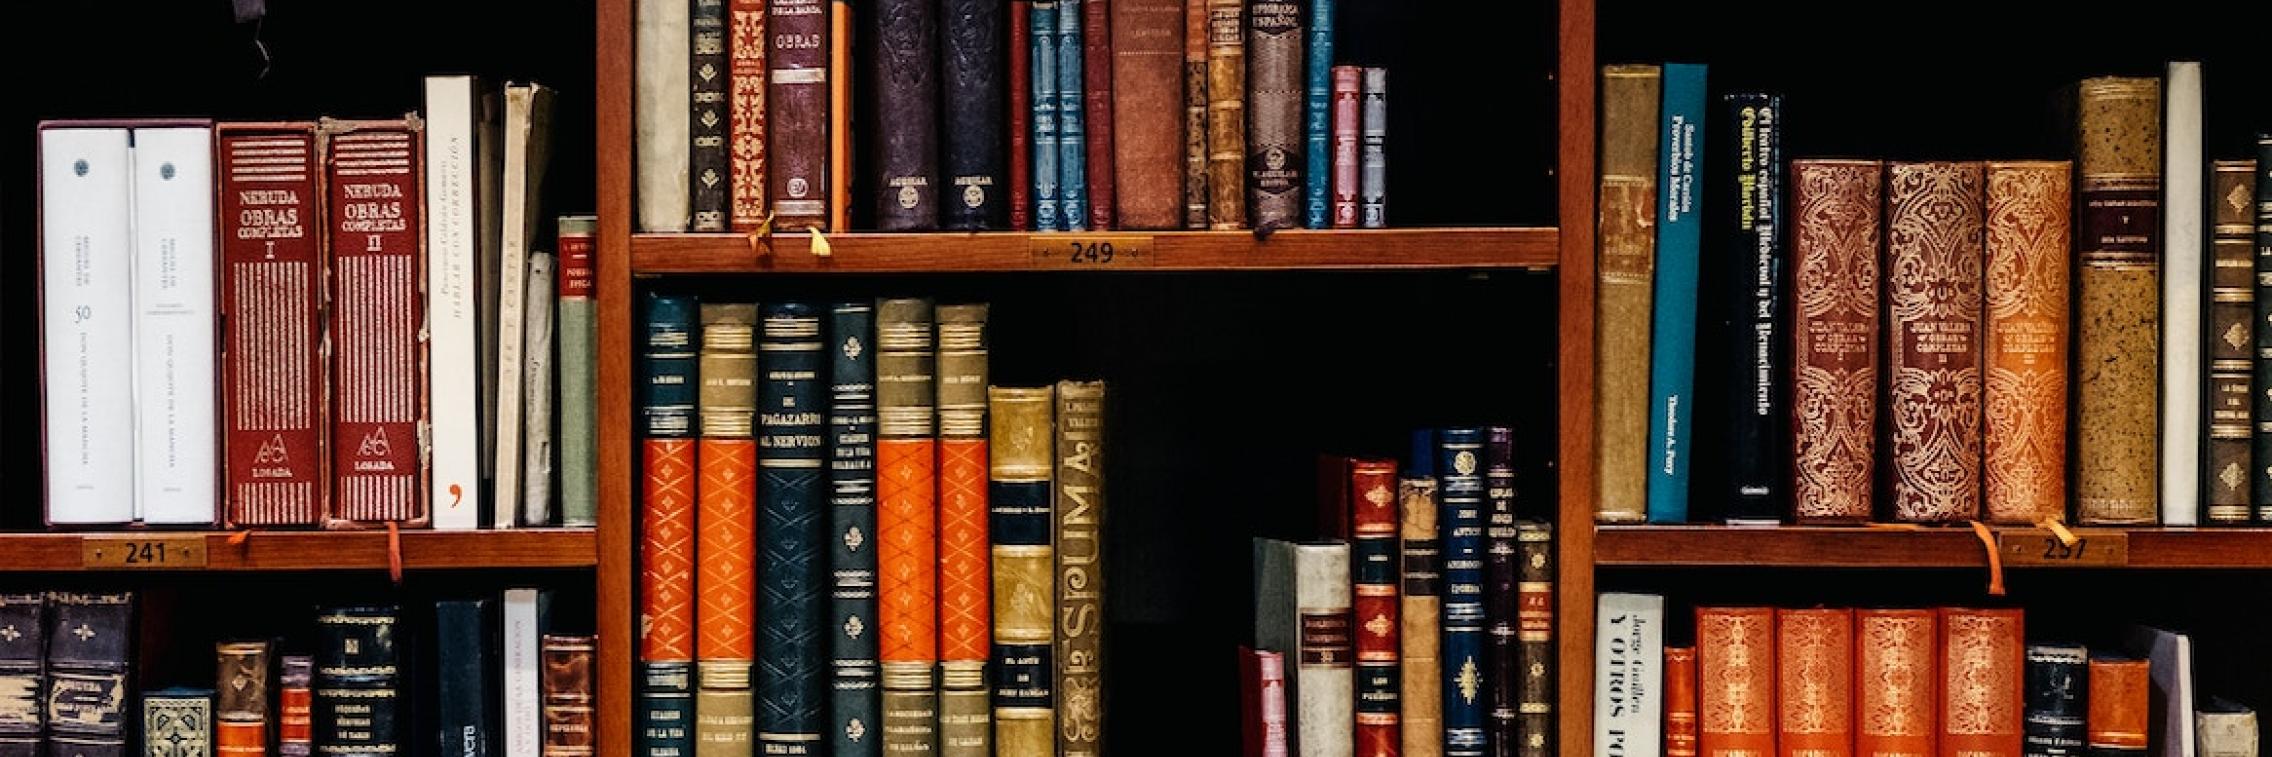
(2232, 341)
(1894, 672)
(712, 76)
(1735, 678)
(2260, 485)
(795, 144)
(1626, 276)
(1535, 659)
(1680, 701)
(2029, 204)
(1195, 104)
(86, 692)
(357, 682)
(1372, 191)
(1759, 422)
(568, 723)
(1501, 601)
(1420, 604)
(1317, 119)
(240, 711)
(176, 722)
(1072, 119)
(2056, 682)
(855, 708)
(971, 56)
(906, 106)
(1347, 105)
(1374, 572)
(1466, 683)
(726, 544)
(274, 385)
(295, 718)
(373, 182)
(906, 523)
(23, 678)
(1042, 52)
(2117, 423)
(1023, 453)
(792, 443)
(1835, 236)
(665, 707)
(1672, 341)
(1226, 114)
(1079, 536)
(965, 623)
(1983, 661)
(1934, 230)
(1274, 113)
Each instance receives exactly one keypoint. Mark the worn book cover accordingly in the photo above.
(2026, 283)
(1148, 113)
(972, 193)
(177, 722)
(1019, 49)
(274, 396)
(1836, 239)
(1627, 275)
(662, 110)
(1501, 597)
(1196, 25)
(295, 719)
(377, 250)
(1374, 573)
(569, 728)
(1420, 603)
(2057, 680)
(1097, 58)
(1536, 663)
(905, 170)
(1226, 114)
(1934, 251)
(241, 711)
(528, 125)
(1080, 543)
(23, 674)
(1022, 447)
(1302, 610)
(2117, 321)
(2120, 703)
(2260, 485)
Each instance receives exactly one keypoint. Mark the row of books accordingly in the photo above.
(1918, 368)
(500, 685)
(847, 469)
(1029, 115)
(1836, 681)
(344, 323)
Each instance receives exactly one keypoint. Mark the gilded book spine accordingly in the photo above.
(1226, 114)
(1835, 236)
(1079, 536)
(855, 709)
(1347, 115)
(906, 522)
(1023, 453)
(1983, 669)
(241, 712)
(2026, 426)
(665, 714)
(2232, 341)
(1072, 117)
(1041, 52)
(1680, 701)
(273, 390)
(373, 182)
(1627, 273)
(1372, 170)
(726, 544)
(1894, 672)
(357, 705)
(1934, 228)
(763, 36)
(2057, 675)
(1535, 658)
(1274, 112)
(1420, 606)
(1759, 413)
(1466, 677)
(1374, 572)
(1196, 24)
(792, 443)
(1501, 602)
(23, 685)
(795, 142)
(2117, 446)
(965, 629)
(567, 679)
(295, 718)
(1735, 678)
(712, 178)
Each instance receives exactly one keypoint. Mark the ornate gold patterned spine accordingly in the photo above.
(2029, 207)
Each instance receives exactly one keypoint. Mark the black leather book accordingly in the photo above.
(1535, 660)
(1754, 365)
(87, 653)
(2057, 684)
(465, 674)
(855, 701)
(708, 73)
(23, 655)
(971, 63)
(793, 523)
(665, 704)
(905, 82)
(357, 684)
(1500, 605)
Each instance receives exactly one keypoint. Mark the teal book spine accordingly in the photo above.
(1042, 51)
(1072, 135)
(1680, 235)
(1317, 118)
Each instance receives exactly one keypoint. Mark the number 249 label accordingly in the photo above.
(1081, 250)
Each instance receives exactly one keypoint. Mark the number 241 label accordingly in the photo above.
(152, 552)
(1082, 250)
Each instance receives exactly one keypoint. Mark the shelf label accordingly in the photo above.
(2037, 548)
(142, 551)
(1085, 250)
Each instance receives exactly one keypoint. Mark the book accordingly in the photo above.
(2169, 658)
(1625, 285)
(724, 708)
(372, 180)
(538, 374)
(662, 110)
(1758, 329)
(1372, 191)
(577, 335)
(1021, 84)
(2119, 709)
(466, 678)
(1226, 114)
(1274, 96)
(2117, 422)
(2025, 287)
(965, 621)
(86, 300)
(357, 684)
(2224, 728)
(295, 706)
(907, 524)
(726, 541)
(1420, 603)
(664, 711)
(1317, 108)
(87, 667)
(240, 709)
(1262, 702)
(1148, 113)
(1041, 54)
(1072, 119)
(1814, 681)
(2057, 677)
(840, 106)
(1196, 47)
(23, 675)
(1934, 250)
(855, 711)
(1629, 662)
(274, 377)
(175, 423)
(906, 163)
(1348, 98)
(1466, 680)
(461, 129)
(1672, 341)
(2260, 483)
(1983, 674)
(1735, 680)
(792, 521)
(177, 722)
(1096, 114)
(569, 727)
(2184, 250)
(1078, 533)
(527, 613)
(710, 72)
(1374, 573)
(528, 122)
(2232, 343)
(1679, 697)
(971, 110)
(777, 53)
(1501, 598)
(1894, 673)
(1536, 662)
(1022, 454)
(1835, 239)
(1302, 611)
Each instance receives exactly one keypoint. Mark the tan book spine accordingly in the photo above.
(1627, 270)
(1419, 612)
(1934, 224)
(2232, 340)
(2118, 319)
(1022, 450)
(1226, 114)
(2029, 207)
(1079, 540)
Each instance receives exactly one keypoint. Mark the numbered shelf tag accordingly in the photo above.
(142, 551)
(1083, 251)
(2037, 548)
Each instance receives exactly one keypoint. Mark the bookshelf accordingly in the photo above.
(315, 550)
(1893, 547)
(1010, 252)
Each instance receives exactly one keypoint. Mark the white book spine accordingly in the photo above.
(87, 321)
(2184, 172)
(1629, 675)
(536, 470)
(661, 117)
(512, 299)
(524, 706)
(177, 438)
(1325, 714)
(453, 315)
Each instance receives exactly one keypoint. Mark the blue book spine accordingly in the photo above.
(1680, 237)
(1467, 689)
(666, 709)
(465, 669)
(1317, 123)
(1072, 137)
(855, 702)
(1043, 50)
(792, 424)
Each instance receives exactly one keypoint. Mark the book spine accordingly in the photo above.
(761, 32)
(965, 629)
(505, 385)
(1625, 278)
(1262, 702)
(1836, 237)
(664, 726)
(2228, 730)
(1420, 609)
(726, 543)
(1148, 113)
(795, 142)
(667, 521)
(971, 107)
(724, 709)
(2026, 353)
(177, 722)
(792, 443)
(2056, 682)
(1042, 51)
(907, 524)
(1325, 684)
(1535, 658)
(1096, 96)
(274, 398)
(1934, 230)
(1317, 116)
(526, 613)
(907, 106)
(1372, 190)
(356, 709)
(840, 107)
(1348, 97)
(1672, 343)
(175, 470)
(2116, 418)
(1020, 50)
(1680, 701)
(537, 387)
(663, 132)
(1735, 674)
(1466, 679)
(1629, 659)
(1274, 94)
(1078, 533)
(2184, 249)
(23, 680)
(1196, 25)
(1226, 114)
(1022, 450)
(1983, 674)
(1814, 682)
(1894, 712)
(465, 664)
(855, 709)
(1759, 367)
(373, 182)
(712, 177)
(1501, 595)
(578, 437)
(1072, 123)
(1374, 572)
(295, 706)
(568, 722)
(2232, 343)
(2120, 708)
(2260, 482)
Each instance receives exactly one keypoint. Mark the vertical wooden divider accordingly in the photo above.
(617, 596)
(1575, 454)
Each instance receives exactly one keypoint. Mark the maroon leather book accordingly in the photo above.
(1262, 701)
(1096, 84)
(1021, 115)
(1348, 96)
(1935, 226)
(1836, 235)
(273, 374)
(377, 249)
(1147, 86)
(749, 145)
(796, 98)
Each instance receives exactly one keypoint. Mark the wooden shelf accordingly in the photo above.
(865, 252)
(323, 550)
(1868, 547)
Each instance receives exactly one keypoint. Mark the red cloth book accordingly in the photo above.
(1680, 702)
(1096, 84)
(1983, 668)
(1814, 682)
(1372, 486)
(1893, 683)
(377, 242)
(1735, 681)
(274, 395)
(1021, 115)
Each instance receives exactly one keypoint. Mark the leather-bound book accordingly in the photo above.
(971, 56)
(1020, 50)
(1226, 114)
(1983, 669)
(1935, 225)
(1735, 681)
(965, 589)
(1041, 53)
(1302, 610)
(568, 721)
(1072, 118)
(2260, 486)
(2225, 728)
(2120, 707)
(2117, 318)
(1536, 663)
(1373, 573)
(177, 722)
(724, 708)
(295, 706)
(1147, 113)
(1078, 532)
(1347, 115)
(1022, 451)
(1372, 161)
(792, 677)
(1274, 144)
(466, 672)
(1758, 362)
(273, 397)
(664, 719)
(371, 174)
(905, 72)
(755, 43)
(840, 106)
(1680, 701)
(2057, 681)
(796, 171)
(1096, 115)
(1627, 275)
(23, 684)
(1195, 105)
(1420, 603)
(1835, 237)
(855, 704)
(1317, 119)
(1466, 680)
(2232, 341)
(1500, 599)
(240, 713)
(357, 706)
(726, 542)
(1262, 703)
(2025, 433)
(907, 524)
(662, 128)
(1894, 675)
(664, 710)
(709, 71)
(1814, 682)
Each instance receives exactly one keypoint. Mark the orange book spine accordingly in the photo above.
(666, 552)
(2119, 706)
(1893, 683)
(1983, 664)
(727, 542)
(1814, 682)
(1735, 681)
(1680, 702)
(965, 631)
(240, 738)
(906, 506)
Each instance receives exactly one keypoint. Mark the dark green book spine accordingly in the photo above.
(791, 424)
(855, 704)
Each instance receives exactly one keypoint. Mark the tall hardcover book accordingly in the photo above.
(1934, 250)
(2117, 325)
(1501, 600)
(664, 718)
(792, 443)
(2184, 250)
(177, 722)
(664, 714)
(1347, 116)
(577, 335)
(1072, 119)
(241, 711)
(357, 707)
(175, 434)
(1372, 191)
(1022, 449)
(1894, 673)
(1373, 573)
(1735, 681)
(2232, 342)
(2260, 485)
(2025, 437)
(1626, 276)
(1262, 703)
(726, 542)
(2120, 703)
(2057, 681)
(855, 711)
(1317, 120)
(1096, 116)
(1679, 697)
(1535, 658)
(761, 83)
(569, 726)
(1274, 96)
(465, 670)
(1629, 663)
(461, 125)
(538, 385)
(711, 75)
(274, 388)
(1836, 239)
(1196, 23)
(372, 181)
(87, 666)
(526, 614)
(840, 106)
(1672, 341)
(906, 169)
(907, 524)
(1758, 364)
(1420, 666)
(1226, 114)
(1466, 677)
(662, 125)
(1020, 50)
(1078, 533)
(1148, 113)
(1302, 610)
(965, 622)
(87, 324)
(528, 118)
(1983, 674)
(971, 57)
(295, 718)
(1041, 53)
(23, 674)
(724, 708)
